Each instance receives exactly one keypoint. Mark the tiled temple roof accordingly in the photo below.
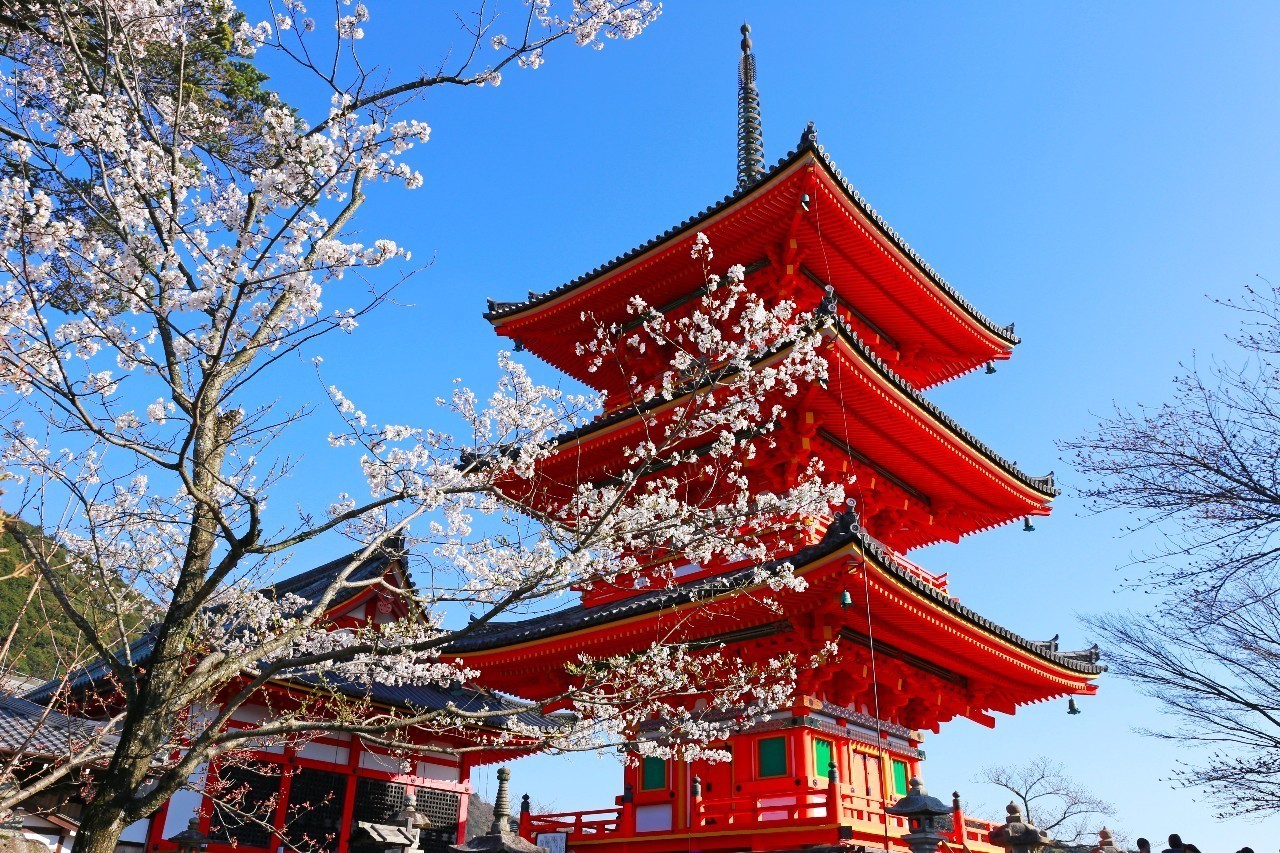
(495, 635)
(808, 145)
(33, 730)
(311, 585)
(431, 697)
(139, 651)
(1043, 484)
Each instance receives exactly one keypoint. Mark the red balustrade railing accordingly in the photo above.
(804, 808)
(978, 830)
(586, 823)
(808, 804)
(938, 582)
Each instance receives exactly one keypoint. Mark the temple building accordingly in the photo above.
(820, 772)
(320, 791)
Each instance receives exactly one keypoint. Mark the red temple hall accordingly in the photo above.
(324, 788)
(821, 772)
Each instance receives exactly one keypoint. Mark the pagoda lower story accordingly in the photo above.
(814, 776)
(820, 772)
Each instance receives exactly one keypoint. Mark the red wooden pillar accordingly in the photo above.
(464, 810)
(957, 819)
(525, 829)
(802, 769)
(627, 812)
(833, 793)
(155, 832)
(680, 790)
(281, 817)
(799, 748)
(464, 799)
(205, 811)
(349, 800)
(695, 817)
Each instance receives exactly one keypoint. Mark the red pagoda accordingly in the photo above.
(820, 772)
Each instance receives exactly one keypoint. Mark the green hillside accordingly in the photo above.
(45, 641)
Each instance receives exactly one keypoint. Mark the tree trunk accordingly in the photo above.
(99, 832)
(149, 723)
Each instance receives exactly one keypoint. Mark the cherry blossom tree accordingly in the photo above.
(171, 233)
(1199, 471)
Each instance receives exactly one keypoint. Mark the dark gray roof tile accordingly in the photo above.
(1043, 484)
(33, 730)
(429, 697)
(840, 534)
(309, 585)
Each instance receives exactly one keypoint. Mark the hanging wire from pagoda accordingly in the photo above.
(750, 136)
(855, 507)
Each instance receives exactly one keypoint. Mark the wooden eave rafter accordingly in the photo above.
(929, 626)
(942, 433)
(924, 445)
(985, 656)
(938, 302)
(293, 688)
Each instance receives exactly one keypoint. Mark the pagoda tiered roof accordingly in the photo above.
(867, 421)
(804, 227)
(881, 648)
(932, 637)
(505, 635)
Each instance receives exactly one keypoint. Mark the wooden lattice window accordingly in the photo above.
(314, 816)
(378, 801)
(244, 807)
(442, 808)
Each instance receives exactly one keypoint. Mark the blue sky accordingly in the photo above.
(1089, 171)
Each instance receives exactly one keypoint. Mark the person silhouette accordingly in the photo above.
(1144, 846)
(1175, 844)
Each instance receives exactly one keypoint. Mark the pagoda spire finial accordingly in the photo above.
(750, 137)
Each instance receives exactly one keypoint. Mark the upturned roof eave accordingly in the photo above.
(139, 650)
(501, 312)
(1042, 485)
(374, 568)
(841, 539)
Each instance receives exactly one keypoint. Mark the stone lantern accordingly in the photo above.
(926, 818)
(403, 836)
(191, 839)
(1016, 835)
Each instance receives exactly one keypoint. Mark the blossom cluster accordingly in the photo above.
(162, 254)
